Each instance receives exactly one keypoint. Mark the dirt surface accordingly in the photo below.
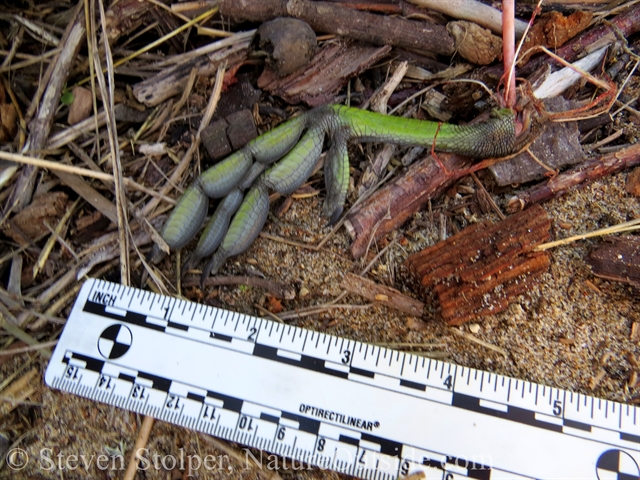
(571, 332)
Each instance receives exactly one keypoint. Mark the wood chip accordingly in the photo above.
(553, 30)
(633, 183)
(618, 259)
(481, 270)
(635, 332)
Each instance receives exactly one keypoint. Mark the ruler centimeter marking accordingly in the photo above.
(356, 408)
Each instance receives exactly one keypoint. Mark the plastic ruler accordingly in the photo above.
(323, 400)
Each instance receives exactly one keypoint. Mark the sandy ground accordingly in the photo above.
(572, 331)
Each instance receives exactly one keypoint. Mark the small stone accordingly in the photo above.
(214, 139)
(303, 292)
(288, 42)
(81, 107)
(474, 328)
(564, 225)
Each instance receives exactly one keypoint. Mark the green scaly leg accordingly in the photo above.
(216, 229)
(285, 178)
(217, 181)
(493, 138)
(186, 218)
(336, 177)
(244, 228)
(293, 170)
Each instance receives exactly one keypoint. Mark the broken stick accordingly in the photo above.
(332, 18)
(586, 171)
(387, 296)
(395, 203)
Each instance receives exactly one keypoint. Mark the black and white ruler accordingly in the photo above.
(323, 400)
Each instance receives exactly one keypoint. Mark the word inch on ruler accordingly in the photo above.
(331, 402)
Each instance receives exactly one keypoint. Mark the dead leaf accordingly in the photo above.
(274, 305)
(552, 30)
(29, 223)
(8, 118)
(8, 122)
(474, 43)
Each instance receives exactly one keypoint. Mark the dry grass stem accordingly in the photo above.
(138, 449)
(30, 348)
(186, 160)
(14, 157)
(472, 338)
(620, 228)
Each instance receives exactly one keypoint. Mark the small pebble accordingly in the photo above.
(564, 225)
(288, 42)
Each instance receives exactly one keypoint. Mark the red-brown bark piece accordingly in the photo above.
(326, 74)
(625, 24)
(480, 270)
(617, 259)
(396, 202)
